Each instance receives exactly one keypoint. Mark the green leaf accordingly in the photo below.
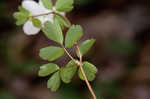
(25, 11)
(61, 21)
(64, 5)
(53, 31)
(73, 35)
(51, 53)
(36, 22)
(48, 69)
(90, 71)
(47, 4)
(54, 82)
(21, 16)
(68, 72)
(86, 45)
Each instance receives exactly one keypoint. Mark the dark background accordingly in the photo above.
(121, 52)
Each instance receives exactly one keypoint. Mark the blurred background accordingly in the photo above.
(121, 52)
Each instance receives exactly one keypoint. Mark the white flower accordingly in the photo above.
(36, 9)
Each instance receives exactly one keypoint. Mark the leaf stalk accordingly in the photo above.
(79, 63)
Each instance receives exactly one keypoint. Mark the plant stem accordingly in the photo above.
(78, 50)
(81, 68)
(69, 54)
(55, 13)
(42, 14)
(65, 18)
(83, 73)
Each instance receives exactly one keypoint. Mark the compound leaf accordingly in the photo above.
(90, 71)
(47, 4)
(61, 21)
(64, 5)
(85, 46)
(53, 31)
(47, 69)
(51, 53)
(21, 16)
(73, 35)
(68, 72)
(54, 82)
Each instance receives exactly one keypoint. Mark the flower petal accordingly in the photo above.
(30, 29)
(49, 18)
(32, 6)
(45, 18)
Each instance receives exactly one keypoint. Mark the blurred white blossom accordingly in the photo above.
(36, 9)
